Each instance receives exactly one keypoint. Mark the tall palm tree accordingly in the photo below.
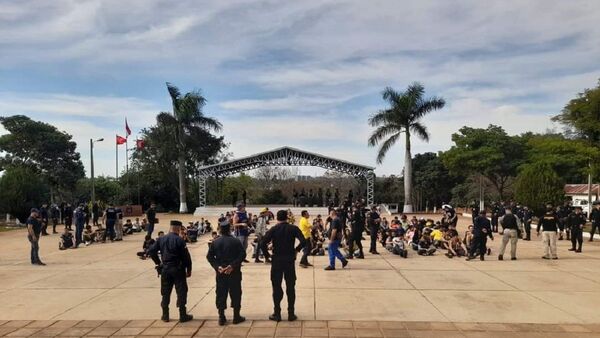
(187, 116)
(403, 116)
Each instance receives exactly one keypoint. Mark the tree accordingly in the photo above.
(538, 184)
(41, 147)
(432, 181)
(403, 116)
(582, 115)
(488, 152)
(185, 124)
(21, 189)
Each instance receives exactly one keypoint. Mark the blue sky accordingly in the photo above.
(301, 73)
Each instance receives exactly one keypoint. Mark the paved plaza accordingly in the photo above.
(104, 289)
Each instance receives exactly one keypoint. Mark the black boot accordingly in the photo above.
(165, 315)
(183, 316)
(236, 316)
(291, 315)
(276, 316)
(222, 319)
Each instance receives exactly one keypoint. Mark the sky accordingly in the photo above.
(305, 74)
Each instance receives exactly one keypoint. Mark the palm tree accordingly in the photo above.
(187, 116)
(403, 116)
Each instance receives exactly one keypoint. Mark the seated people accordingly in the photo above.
(468, 238)
(192, 232)
(144, 225)
(438, 237)
(455, 248)
(66, 240)
(89, 235)
(148, 241)
(137, 226)
(399, 246)
(128, 227)
(207, 227)
(426, 247)
(183, 234)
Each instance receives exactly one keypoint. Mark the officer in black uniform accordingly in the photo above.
(373, 220)
(482, 229)
(44, 218)
(175, 267)
(563, 214)
(226, 255)
(357, 226)
(576, 221)
(495, 215)
(110, 217)
(527, 217)
(595, 219)
(283, 235)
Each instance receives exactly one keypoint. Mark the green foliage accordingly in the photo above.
(21, 189)
(570, 159)
(582, 115)
(489, 152)
(432, 181)
(43, 148)
(537, 184)
(108, 190)
(389, 189)
(275, 196)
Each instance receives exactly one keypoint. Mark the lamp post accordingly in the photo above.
(92, 168)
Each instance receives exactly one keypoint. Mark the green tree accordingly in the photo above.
(432, 181)
(582, 115)
(185, 124)
(21, 189)
(537, 184)
(108, 190)
(489, 152)
(41, 147)
(403, 116)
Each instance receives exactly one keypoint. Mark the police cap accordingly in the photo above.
(175, 223)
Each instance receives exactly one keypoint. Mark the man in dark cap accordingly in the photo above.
(79, 223)
(576, 221)
(283, 235)
(226, 255)
(34, 229)
(482, 229)
(175, 267)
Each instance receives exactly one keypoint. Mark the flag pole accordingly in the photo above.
(116, 158)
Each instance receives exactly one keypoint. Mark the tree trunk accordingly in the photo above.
(408, 208)
(182, 186)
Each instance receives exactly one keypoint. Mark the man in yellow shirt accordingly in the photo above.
(438, 236)
(306, 229)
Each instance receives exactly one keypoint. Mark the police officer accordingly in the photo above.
(226, 255)
(151, 217)
(79, 223)
(44, 219)
(563, 214)
(595, 218)
(527, 217)
(357, 226)
(110, 219)
(283, 235)
(495, 216)
(174, 268)
(576, 221)
(482, 229)
(373, 220)
(510, 232)
(549, 222)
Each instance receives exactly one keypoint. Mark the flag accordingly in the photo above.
(139, 144)
(127, 130)
(121, 140)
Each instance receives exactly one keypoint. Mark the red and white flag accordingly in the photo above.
(121, 140)
(127, 130)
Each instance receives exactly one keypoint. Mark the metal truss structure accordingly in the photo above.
(286, 156)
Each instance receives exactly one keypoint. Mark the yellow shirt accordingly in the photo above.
(305, 227)
(437, 235)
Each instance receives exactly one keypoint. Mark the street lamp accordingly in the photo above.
(92, 168)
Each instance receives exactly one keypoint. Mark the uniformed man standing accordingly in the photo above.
(549, 222)
(482, 229)
(283, 235)
(174, 268)
(226, 255)
(527, 216)
(510, 232)
(576, 221)
(595, 218)
(34, 229)
(151, 217)
(44, 219)
(109, 219)
(79, 223)
(357, 226)
(563, 214)
(373, 221)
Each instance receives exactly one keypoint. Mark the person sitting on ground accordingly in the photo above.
(128, 227)
(89, 235)
(426, 247)
(137, 226)
(207, 227)
(455, 248)
(389, 240)
(468, 238)
(144, 224)
(438, 237)
(399, 246)
(66, 240)
(192, 232)
(148, 241)
(183, 234)
(317, 239)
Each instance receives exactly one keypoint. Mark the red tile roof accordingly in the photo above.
(580, 189)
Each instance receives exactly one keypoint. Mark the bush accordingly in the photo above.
(538, 184)
(21, 189)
